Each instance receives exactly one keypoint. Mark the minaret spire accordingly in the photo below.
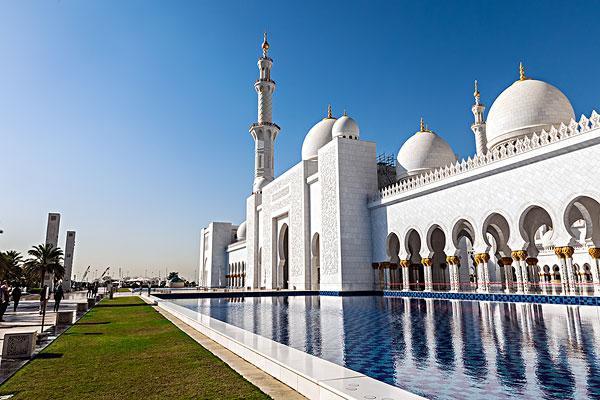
(522, 76)
(478, 126)
(265, 46)
(264, 131)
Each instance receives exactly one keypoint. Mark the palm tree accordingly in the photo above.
(45, 258)
(11, 265)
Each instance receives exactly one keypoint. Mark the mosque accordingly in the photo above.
(522, 215)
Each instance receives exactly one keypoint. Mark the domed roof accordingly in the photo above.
(241, 231)
(318, 136)
(423, 151)
(345, 126)
(526, 106)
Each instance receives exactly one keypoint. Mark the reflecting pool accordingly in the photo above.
(439, 349)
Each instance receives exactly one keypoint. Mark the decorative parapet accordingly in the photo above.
(499, 153)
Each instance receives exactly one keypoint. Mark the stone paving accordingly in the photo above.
(28, 319)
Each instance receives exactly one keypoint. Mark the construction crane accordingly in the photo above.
(104, 273)
(85, 273)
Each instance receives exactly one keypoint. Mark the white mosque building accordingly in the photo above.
(520, 216)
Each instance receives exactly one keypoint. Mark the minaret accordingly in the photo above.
(478, 127)
(264, 131)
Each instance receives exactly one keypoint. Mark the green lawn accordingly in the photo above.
(124, 349)
(123, 290)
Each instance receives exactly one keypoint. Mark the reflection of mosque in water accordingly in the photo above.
(442, 349)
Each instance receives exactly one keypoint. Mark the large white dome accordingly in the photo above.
(422, 152)
(318, 136)
(345, 127)
(525, 107)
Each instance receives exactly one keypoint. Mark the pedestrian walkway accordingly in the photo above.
(28, 319)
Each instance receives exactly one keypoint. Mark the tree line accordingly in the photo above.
(31, 271)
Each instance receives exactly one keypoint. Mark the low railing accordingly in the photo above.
(519, 146)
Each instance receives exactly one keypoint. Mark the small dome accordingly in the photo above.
(318, 136)
(525, 107)
(345, 127)
(241, 231)
(422, 152)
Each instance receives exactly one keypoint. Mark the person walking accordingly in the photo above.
(89, 290)
(16, 296)
(4, 299)
(58, 296)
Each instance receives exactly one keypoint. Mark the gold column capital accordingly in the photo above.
(519, 255)
(405, 263)
(531, 261)
(427, 262)
(453, 260)
(558, 252)
(594, 252)
(568, 251)
(506, 260)
(482, 258)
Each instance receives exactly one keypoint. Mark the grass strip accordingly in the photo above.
(122, 349)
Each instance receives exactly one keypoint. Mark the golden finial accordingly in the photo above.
(522, 76)
(329, 112)
(345, 113)
(265, 45)
(476, 92)
(422, 127)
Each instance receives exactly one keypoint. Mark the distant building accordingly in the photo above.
(52, 229)
(69, 248)
(52, 238)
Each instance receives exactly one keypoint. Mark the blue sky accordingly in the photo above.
(130, 118)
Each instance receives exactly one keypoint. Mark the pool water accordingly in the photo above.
(439, 349)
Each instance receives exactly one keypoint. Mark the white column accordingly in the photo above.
(568, 253)
(508, 273)
(594, 253)
(518, 274)
(405, 264)
(481, 259)
(564, 278)
(453, 263)
(427, 263)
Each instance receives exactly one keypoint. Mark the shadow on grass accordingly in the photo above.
(49, 355)
(94, 323)
(82, 333)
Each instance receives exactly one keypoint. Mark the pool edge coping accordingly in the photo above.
(302, 382)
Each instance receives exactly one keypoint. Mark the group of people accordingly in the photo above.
(6, 293)
(92, 289)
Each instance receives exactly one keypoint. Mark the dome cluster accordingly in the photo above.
(526, 106)
(326, 129)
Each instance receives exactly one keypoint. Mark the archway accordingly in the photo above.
(496, 233)
(536, 228)
(436, 242)
(393, 280)
(315, 249)
(283, 264)
(582, 220)
(463, 237)
(416, 273)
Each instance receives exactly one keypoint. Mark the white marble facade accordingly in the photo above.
(522, 215)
